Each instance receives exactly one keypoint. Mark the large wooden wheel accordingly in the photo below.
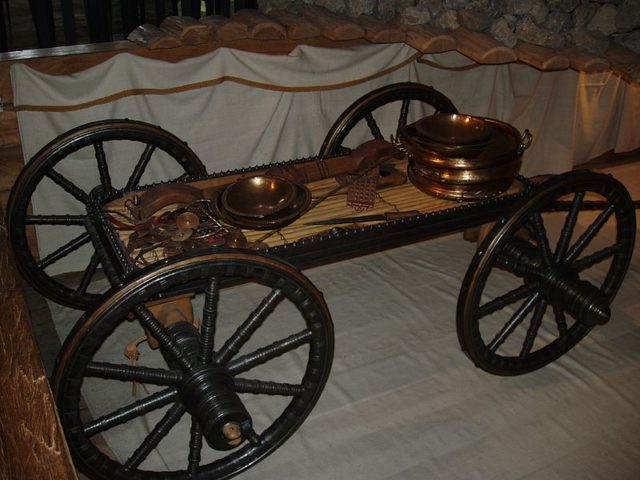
(216, 399)
(546, 275)
(107, 154)
(391, 101)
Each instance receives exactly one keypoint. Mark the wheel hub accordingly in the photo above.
(207, 393)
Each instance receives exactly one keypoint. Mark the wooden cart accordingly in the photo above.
(197, 363)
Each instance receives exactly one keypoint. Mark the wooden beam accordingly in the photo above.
(260, 26)
(297, 27)
(226, 30)
(482, 47)
(333, 27)
(541, 58)
(429, 39)
(624, 63)
(150, 36)
(377, 31)
(582, 61)
(189, 30)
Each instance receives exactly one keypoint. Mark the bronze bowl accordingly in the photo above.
(504, 146)
(454, 129)
(258, 196)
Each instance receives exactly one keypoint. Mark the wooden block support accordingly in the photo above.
(297, 27)
(260, 26)
(189, 30)
(377, 31)
(333, 27)
(541, 58)
(31, 441)
(582, 61)
(429, 39)
(224, 29)
(150, 36)
(482, 47)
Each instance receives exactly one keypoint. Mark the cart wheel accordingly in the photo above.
(72, 165)
(544, 277)
(215, 400)
(363, 108)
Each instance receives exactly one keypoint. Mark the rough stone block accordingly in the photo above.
(475, 20)
(528, 31)
(502, 31)
(628, 16)
(604, 21)
(447, 20)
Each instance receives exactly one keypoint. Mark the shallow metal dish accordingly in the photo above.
(299, 204)
(258, 196)
(453, 128)
(467, 151)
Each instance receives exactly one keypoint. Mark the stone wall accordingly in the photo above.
(589, 24)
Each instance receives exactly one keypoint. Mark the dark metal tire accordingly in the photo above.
(188, 273)
(356, 112)
(483, 263)
(45, 161)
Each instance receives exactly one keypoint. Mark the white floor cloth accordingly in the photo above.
(403, 402)
(236, 109)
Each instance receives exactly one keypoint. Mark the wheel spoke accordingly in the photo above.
(534, 326)
(103, 169)
(149, 321)
(136, 409)
(160, 431)
(569, 226)
(140, 167)
(65, 250)
(596, 257)
(588, 235)
(515, 320)
(561, 321)
(261, 387)
(373, 126)
(68, 186)
(209, 316)
(128, 373)
(88, 274)
(543, 241)
(249, 326)
(508, 298)
(269, 352)
(404, 113)
(195, 447)
(66, 220)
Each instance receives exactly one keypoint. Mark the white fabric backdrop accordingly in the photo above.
(278, 107)
(236, 109)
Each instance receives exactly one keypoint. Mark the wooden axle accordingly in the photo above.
(559, 284)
